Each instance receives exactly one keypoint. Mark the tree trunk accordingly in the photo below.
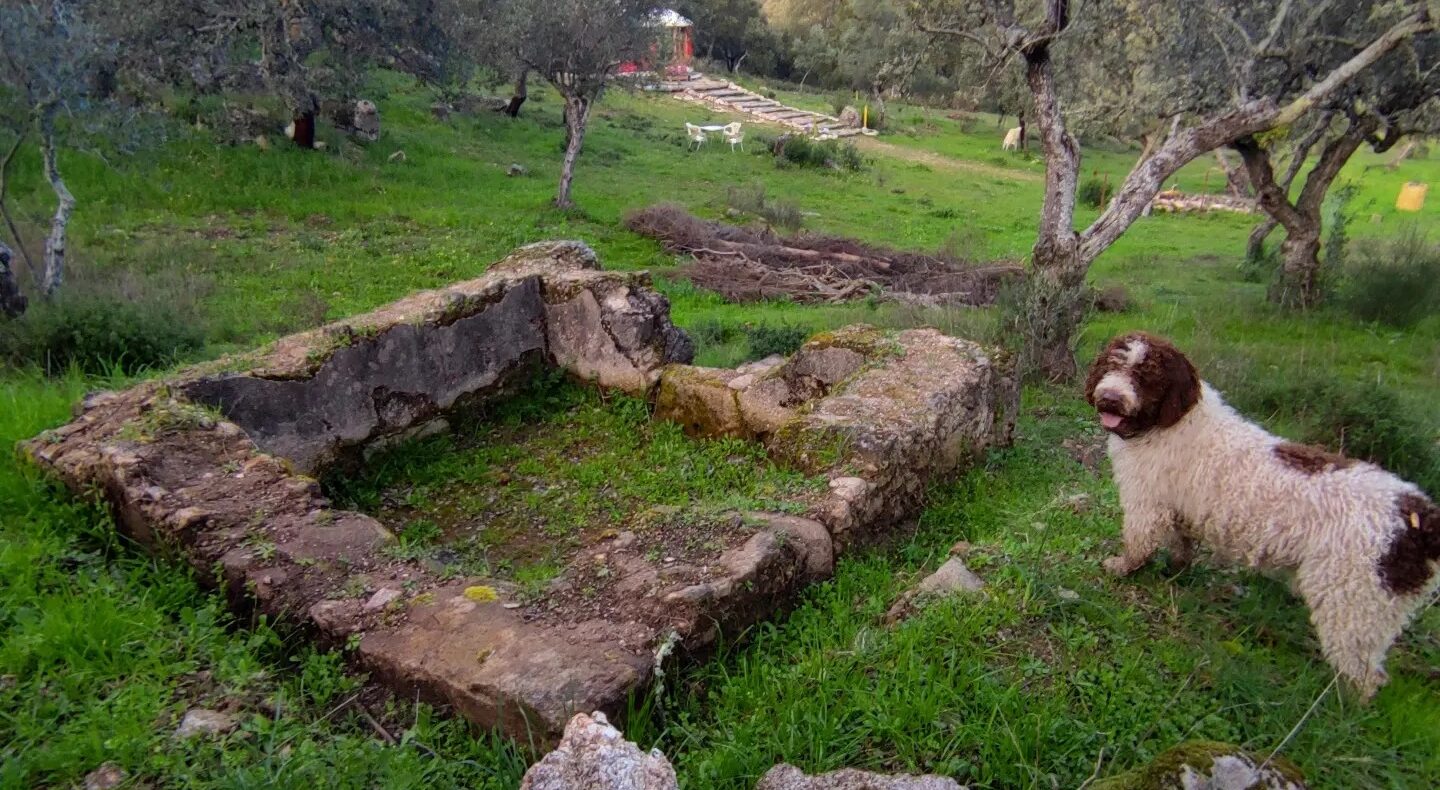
(518, 97)
(577, 115)
(1298, 283)
(305, 128)
(1055, 291)
(12, 302)
(55, 243)
(1255, 246)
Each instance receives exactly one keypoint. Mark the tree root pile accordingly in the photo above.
(747, 265)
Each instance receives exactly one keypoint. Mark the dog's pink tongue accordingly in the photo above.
(1110, 420)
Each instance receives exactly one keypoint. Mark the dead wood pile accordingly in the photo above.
(747, 265)
(1173, 200)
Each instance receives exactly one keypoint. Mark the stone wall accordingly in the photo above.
(215, 462)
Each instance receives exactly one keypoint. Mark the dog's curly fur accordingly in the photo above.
(1362, 543)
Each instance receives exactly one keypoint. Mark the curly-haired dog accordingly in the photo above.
(1363, 544)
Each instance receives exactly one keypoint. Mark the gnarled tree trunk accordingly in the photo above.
(1055, 291)
(54, 273)
(1298, 282)
(577, 115)
(1255, 245)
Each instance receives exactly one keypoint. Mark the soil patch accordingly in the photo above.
(747, 265)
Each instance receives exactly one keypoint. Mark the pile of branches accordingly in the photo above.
(748, 265)
(1173, 200)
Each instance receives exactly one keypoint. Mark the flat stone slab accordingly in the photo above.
(217, 464)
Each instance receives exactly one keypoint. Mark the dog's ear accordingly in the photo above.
(1182, 384)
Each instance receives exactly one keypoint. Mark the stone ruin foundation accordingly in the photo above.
(219, 462)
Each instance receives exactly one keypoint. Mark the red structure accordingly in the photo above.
(673, 48)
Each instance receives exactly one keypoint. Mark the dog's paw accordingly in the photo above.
(1117, 566)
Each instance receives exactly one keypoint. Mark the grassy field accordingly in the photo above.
(105, 646)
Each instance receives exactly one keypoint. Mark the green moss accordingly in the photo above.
(1164, 771)
(809, 448)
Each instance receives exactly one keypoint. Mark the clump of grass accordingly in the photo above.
(1094, 191)
(798, 151)
(765, 339)
(1395, 281)
(109, 321)
(98, 335)
(753, 200)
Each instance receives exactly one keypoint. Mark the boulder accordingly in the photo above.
(788, 777)
(200, 721)
(951, 577)
(593, 755)
(1209, 765)
(850, 117)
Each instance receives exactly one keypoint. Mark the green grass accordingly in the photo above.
(516, 491)
(104, 644)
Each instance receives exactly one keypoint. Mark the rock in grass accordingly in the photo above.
(107, 776)
(592, 755)
(1209, 765)
(517, 169)
(951, 577)
(788, 777)
(200, 721)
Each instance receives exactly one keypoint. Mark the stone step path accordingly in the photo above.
(727, 96)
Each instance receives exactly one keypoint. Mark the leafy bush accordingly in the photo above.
(800, 151)
(766, 340)
(98, 334)
(1395, 281)
(1361, 419)
(1093, 192)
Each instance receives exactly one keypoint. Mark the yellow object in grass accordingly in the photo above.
(481, 593)
(1412, 196)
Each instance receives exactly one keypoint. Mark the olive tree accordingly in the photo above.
(1275, 70)
(1397, 99)
(49, 51)
(577, 46)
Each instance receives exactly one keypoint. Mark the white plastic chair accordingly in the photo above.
(696, 135)
(735, 135)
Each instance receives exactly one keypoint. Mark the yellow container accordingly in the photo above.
(1412, 196)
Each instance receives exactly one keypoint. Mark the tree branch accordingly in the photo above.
(1418, 22)
(1302, 150)
(1269, 194)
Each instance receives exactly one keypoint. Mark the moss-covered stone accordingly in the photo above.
(1208, 764)
(701, 401)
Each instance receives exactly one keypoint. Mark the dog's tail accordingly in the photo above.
(1408, 564)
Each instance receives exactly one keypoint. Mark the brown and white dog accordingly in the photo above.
(1362, 543)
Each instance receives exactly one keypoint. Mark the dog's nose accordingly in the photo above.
(1109, 401)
